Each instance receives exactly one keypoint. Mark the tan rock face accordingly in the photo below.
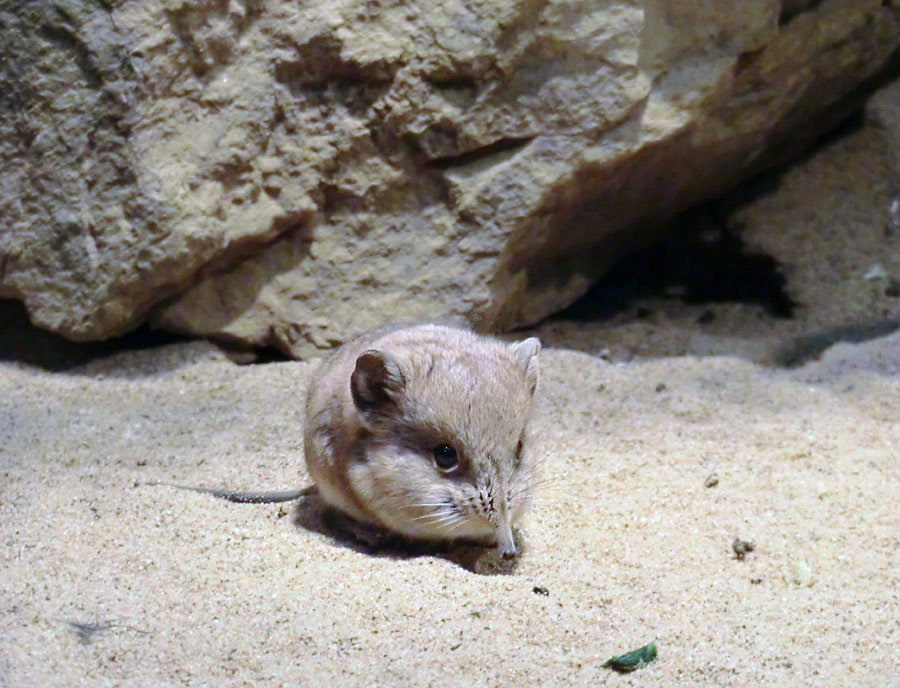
(292, 173)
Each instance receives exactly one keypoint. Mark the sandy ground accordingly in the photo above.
(684, 432)
(628, 541)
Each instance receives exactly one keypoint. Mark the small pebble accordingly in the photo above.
(711, 480)
(875, 272)
(803, 574)
(741, 548)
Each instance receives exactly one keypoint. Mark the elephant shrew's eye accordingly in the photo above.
(445, 457)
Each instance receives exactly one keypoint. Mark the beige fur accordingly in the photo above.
(380, 406)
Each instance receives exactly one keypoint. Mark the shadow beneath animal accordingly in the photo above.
(312, 514)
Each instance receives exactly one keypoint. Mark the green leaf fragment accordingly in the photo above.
(632, 660)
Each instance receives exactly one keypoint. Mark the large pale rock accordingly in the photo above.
(291, 173)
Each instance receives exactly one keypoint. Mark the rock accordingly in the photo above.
(289, 174)
(803, 575)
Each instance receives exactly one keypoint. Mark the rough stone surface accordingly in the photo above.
(776, 270)
(292, 173)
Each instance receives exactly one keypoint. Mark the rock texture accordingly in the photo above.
(775, 270)
(291, 173)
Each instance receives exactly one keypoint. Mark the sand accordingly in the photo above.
(681, 434)
(627, 540)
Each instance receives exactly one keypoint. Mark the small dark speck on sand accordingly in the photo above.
(741, 548)
(706, 318)
(87, 631)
